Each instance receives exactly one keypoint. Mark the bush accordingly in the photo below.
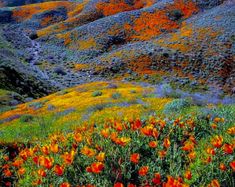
(116, 95)
(177, 105)
(166, 90)
(97, 93)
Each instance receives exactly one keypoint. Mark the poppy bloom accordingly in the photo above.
(136, 125)
(222, 167)
(217, 141)
(122, 141)
(68, 157)
(143, 170)
(135, 158)
(7, 172)
(188, 175)
(118, 184)
(162, 153)
(118, 126)
(232, 164)
(17, 163)
(214, 183)
(21, 171)
(228, 149)
(95, 167)
(54, 148)
(59, 170)
(213, 126)
(42, 173)
(65, 184)
(88, 151)
(105, 133)
(45, 150)
(147, 130)
(153, 144)
(157, 179)
(192, 155)
(166, 142)
(77, 137)
(47, 162)
(231, 131)
(101, 156)
(210, 151)
(188, 146)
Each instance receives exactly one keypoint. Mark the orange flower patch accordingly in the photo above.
(135, 157)
(143, 170)
(96, 167)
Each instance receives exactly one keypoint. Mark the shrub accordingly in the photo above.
(97, 93)
(116, 95)
(177, 105)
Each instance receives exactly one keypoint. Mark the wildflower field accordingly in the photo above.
(187, 147)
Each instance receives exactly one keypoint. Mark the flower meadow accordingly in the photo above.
(152, 151)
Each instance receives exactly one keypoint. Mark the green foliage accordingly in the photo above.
(177, 105)
(97, 93)
(116, 95)
(26, 118)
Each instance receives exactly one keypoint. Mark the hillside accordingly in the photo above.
(119, 93)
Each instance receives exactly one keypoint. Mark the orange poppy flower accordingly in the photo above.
(188, 146)
(174, 182)
(214, 183)
(42, 173)
(231, 131)
(7, 172)
(88, 151)
(143, 170)
(153, 144)
(157, 179)
(65, 184)
(166, 143)
(222, 167)
(162, 153)
(118, 184)
(217, 141)
(101, 156)
(17, 163)
(228, 148)
(135, 158)
(54, 148)
(77, 137)
(47, 162)
(59, 170)
(192, 155)
(45, 150)
(213, 126)
(147, 130)
(210, 151)
(155, 133)
(136, 125)
(188, 175)
(105, 133)
(21, 171)
(95, 167)
(68, 157)
(123, 141)
(232, 164)
(118, 126)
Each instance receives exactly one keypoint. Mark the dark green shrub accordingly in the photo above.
(97, 93)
